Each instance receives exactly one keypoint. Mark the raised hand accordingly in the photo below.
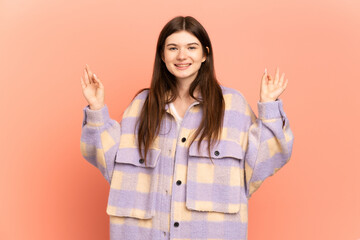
(93, 89)
(272, 88)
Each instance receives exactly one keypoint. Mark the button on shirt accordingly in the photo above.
(178, 193)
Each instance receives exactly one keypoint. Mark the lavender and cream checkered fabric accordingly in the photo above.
(180, 194)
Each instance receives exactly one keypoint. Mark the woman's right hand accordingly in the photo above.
(93, 89)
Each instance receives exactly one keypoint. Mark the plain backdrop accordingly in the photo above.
(49, 191)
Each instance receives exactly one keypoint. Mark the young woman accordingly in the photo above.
(188, 152)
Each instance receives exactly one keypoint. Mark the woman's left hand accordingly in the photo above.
(272, 88)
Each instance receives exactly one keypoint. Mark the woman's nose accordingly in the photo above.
(181, 54)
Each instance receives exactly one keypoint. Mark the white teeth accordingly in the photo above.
(182, 65)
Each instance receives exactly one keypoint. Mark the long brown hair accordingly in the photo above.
(163, 81)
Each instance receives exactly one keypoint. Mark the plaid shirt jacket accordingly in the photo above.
(180, 194)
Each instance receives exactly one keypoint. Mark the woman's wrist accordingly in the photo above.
(267, 100)
(96, 106)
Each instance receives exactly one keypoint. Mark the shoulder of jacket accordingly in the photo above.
(234, 99)
(135, 106)
(142, 95)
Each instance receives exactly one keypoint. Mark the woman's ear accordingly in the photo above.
(206, 55)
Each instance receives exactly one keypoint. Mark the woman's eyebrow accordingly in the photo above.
(187, 44)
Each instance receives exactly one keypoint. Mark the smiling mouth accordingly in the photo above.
(182, 66)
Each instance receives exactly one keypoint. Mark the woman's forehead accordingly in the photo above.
(181, 38)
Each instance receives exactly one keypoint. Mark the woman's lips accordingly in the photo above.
(182, 66)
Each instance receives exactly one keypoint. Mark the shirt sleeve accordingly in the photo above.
(100, 139)
(269, 145)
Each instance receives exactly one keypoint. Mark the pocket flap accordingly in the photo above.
(217, 186)
(222, 149)
(132, 156)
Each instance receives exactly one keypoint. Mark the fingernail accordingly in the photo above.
(265, 71)
(95, 75)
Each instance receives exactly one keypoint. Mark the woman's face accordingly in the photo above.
(183, 55)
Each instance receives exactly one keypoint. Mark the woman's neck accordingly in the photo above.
(183, 92)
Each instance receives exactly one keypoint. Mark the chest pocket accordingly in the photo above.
(215, 187)
(133, 186)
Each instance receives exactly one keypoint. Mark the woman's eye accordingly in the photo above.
(175, 48)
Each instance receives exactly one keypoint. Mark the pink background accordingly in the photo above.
(48, 191)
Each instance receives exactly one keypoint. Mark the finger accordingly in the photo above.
(282, 79)
(91, 77)
(276, 76)
(264, 77)
(286, 82)
(270, 79)
(98, 81)
(86, 77)
(91, 81)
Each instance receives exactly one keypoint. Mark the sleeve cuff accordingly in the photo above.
(95, 118)
(272, 109)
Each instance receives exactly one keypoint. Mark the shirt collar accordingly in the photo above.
(167, 106)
